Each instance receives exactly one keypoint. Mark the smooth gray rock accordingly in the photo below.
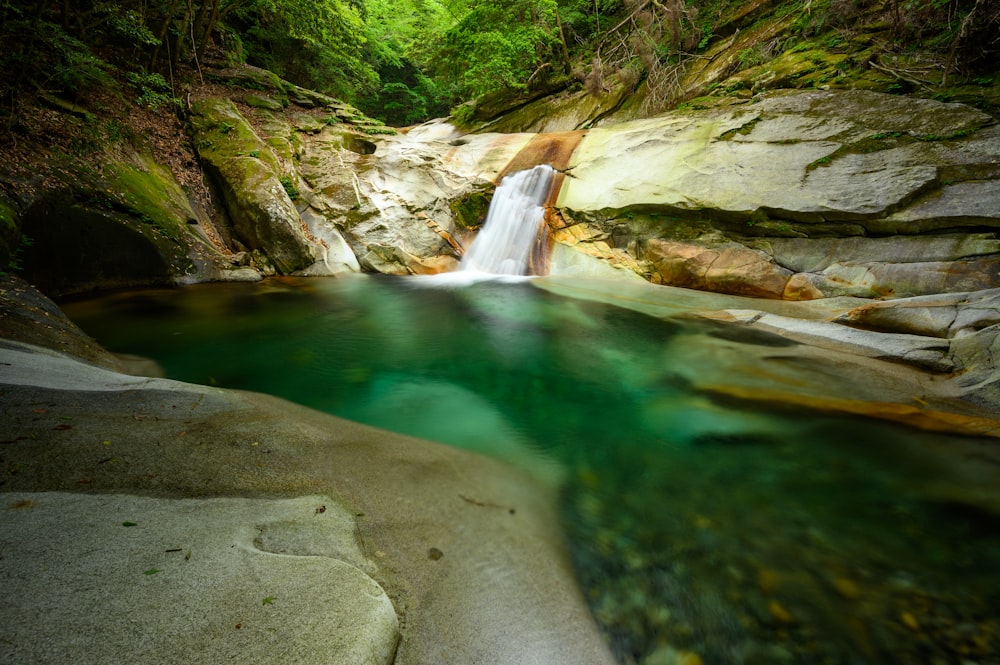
(816, 361)
(116, 578)
(924, 352)
(818, 254)
(502, 591)
(799, 157)
(946, 315)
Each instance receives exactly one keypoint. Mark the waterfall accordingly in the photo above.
(505, 244)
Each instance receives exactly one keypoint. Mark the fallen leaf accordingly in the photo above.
(63, 426)
(151, 571)
(130, 524)
(268, 601)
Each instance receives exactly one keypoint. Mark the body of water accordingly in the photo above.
(739, 535)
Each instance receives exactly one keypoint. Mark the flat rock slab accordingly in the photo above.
(467, 547)
(129, 579)
(810, 157)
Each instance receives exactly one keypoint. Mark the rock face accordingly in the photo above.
(129, 225)
(795, 196)
(835, 355)
(249, 176)
(271, 576)
(800, 196)
(393, 197)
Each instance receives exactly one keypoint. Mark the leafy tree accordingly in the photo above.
(495, 45)
(317, 44)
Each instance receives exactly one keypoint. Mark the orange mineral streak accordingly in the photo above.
(915, 416)
(554, 149)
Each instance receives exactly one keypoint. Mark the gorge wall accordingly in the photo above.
(788, 195)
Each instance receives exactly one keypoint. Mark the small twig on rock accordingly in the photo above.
(899, 74)
(486, 504)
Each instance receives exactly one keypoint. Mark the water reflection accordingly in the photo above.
(701, 531)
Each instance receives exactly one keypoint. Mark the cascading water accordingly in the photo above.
(504, 246)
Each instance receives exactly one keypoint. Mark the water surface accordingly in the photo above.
(739, 535)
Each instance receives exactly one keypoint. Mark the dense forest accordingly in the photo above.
(407, 60)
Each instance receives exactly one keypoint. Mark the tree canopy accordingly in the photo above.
(405, 60)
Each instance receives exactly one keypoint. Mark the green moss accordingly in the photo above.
(152, 194)
(221, 133)
(744, 130)
(470, 210)
(9, 233)
(962, 133)
(867, 145)
(290, 188)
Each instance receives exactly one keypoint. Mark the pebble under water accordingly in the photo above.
(702, 532)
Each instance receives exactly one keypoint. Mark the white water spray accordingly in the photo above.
(505, 244)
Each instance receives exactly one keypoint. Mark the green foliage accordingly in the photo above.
(586, 19)
(497, 45)
(400, 104)
(24, 244)
(154, 90)
(751, 57)
(72, 67)
(464, 113)
(290, 188)
(128, 25)
(316, 44)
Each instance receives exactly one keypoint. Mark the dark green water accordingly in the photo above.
(740, 535)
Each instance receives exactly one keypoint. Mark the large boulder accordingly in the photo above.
(130, 224)
(392, 197)
(798, 196)
(808, 158)
(835, 355)
(249, 175)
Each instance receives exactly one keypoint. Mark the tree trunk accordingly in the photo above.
(162, 37)
(178, 46)
(206, 34)
(562, 40)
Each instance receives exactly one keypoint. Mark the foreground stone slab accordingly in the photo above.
(467, 548)
(127, 579)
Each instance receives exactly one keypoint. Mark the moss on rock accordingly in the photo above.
(248, 173)
(10, 231)
(470, 210)
(153, 194)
